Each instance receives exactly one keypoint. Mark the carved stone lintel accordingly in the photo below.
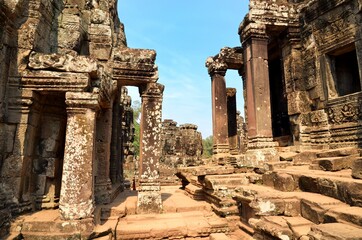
(62, 62)
(135, 56)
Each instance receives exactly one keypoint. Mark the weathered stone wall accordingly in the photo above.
(313, 39)
(65, 119)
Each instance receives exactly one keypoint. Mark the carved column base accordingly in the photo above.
(261, 142)
(103, 192)
(149, 198)
(221, 149)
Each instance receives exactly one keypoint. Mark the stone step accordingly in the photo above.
(314, 207)
(226, 210)
(344, 215)
(194, 192)
(50, 221)
(336, 231)
(280, 227)
(170, 225)
(53, 235)
(357, 168)
(339, 185)
(231, 181)
(205, 170)
(338, 152)
(124, 204)
(335, 163)
(287, 156)
(218, 236)
(305, 157)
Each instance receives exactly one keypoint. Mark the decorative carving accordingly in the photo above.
(62, 62)
(345, 113)
(152, 90)
(135, 56)
(216, 65)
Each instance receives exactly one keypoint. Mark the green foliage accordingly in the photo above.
(208, 146)
(136, 106)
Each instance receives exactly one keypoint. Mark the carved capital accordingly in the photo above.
(252, 30)
(230, 92)
(154, 90)
(81, 101)
(107, 88)
(216, 66)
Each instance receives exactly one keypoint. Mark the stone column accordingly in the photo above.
(258, 110)
(77, 197)
(232, 121)
(103, 184)
(217, 72)
(258, 91)
(149, 196)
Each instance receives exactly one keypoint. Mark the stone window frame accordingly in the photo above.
(329, 72)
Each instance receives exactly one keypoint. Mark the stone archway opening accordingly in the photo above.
(50, 120)
(278, 98)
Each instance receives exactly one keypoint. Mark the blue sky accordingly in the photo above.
(184, 33)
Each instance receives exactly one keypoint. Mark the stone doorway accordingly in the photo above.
(278, 98)
(48, 151)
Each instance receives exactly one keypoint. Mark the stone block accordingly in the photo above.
(313, 207)
(357, 168)
(338, 152)
(298, 102)
(292, 207)
(218, 236)
(335, 231)
(305, 157)
(284, 182)
(346, 214)
(336, 163)
(275, 226)
(287, 156)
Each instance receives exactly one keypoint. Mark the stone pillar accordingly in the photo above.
(232, 120)
(258, 91)
(258, 108)
(77, 198)
(149, 196)
(103, 184)
(115, 148)
(217, 72)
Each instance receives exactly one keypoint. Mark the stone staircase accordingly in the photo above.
(313, 198)
(307, 195)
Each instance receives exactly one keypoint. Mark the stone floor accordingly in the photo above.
(182, 218)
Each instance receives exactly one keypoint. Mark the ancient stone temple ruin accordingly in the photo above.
(181, 145)
(66, 122)
(292, 171)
